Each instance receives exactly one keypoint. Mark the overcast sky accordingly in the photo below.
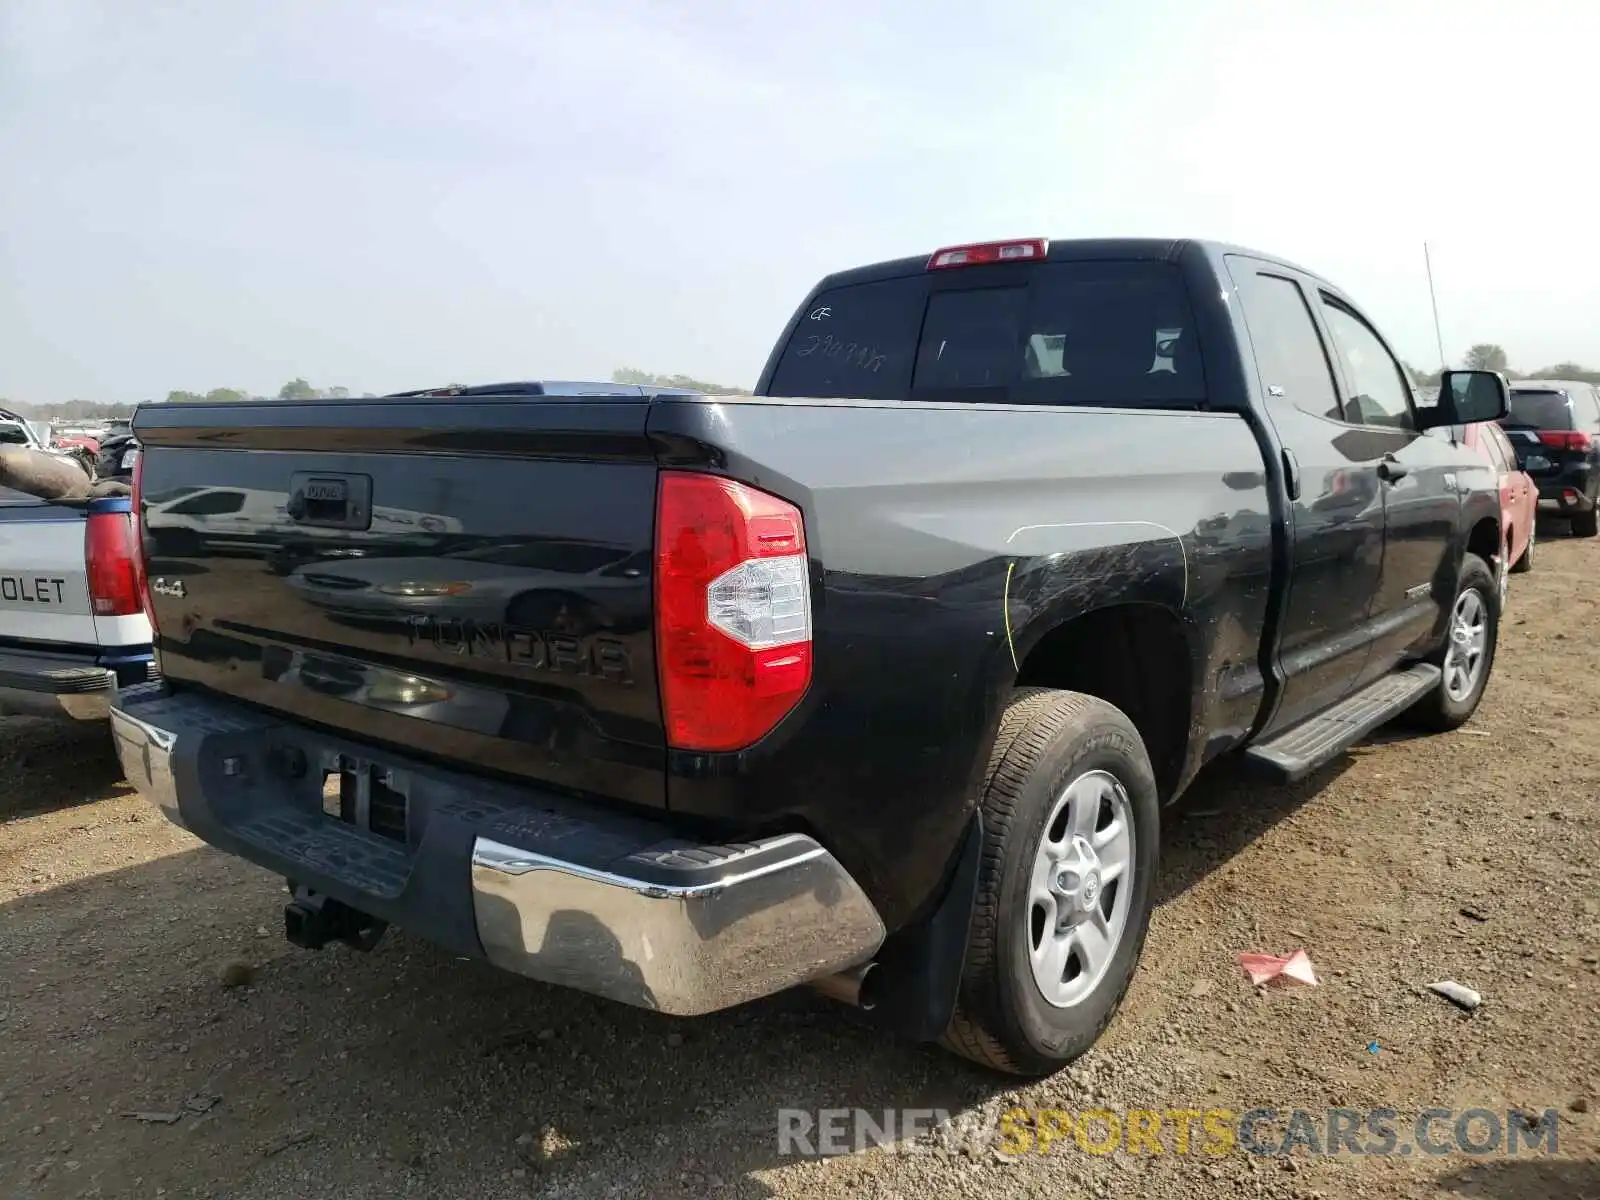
(395, 193)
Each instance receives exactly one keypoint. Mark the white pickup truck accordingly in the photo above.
(72, 618)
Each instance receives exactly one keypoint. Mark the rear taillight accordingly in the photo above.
(112, 557)
(141, 564)
(978, 253)
(1561, 439)
(733, 610)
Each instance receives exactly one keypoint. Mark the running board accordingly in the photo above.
(1297, 752)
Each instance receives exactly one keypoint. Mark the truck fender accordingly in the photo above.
(1065, 571)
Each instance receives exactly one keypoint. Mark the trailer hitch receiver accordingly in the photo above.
(312, 920)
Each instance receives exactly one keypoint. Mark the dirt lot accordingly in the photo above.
(407, 1072)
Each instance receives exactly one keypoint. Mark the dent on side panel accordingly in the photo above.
(946, 540)
(1065, 568)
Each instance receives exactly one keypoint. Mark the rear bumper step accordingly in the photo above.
(1297, 752)
(54, 685)
(544, 886)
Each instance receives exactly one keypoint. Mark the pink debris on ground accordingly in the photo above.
(1262, 968)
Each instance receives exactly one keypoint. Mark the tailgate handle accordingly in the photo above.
(330, 500)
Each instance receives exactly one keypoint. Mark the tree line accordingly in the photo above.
(299, 389)
(1485, 356)
(646, 379)
(295, 389)
(90, 410)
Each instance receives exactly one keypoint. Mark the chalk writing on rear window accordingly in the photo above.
(855, 354)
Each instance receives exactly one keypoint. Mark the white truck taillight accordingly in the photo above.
(111, 559)
(733, 610)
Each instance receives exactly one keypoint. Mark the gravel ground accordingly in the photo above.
(144, 974)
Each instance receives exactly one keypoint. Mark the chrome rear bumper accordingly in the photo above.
(778, 914)
(667, 924)
(145, 752)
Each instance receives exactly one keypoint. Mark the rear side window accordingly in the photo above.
(855, 341)
(1541, 409)
(1093, 333)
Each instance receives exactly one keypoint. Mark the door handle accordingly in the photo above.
(1291, 473)
(1391, 469)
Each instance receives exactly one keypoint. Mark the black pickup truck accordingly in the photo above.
(877, 680)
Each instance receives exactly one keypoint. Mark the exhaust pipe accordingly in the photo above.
(856, 987)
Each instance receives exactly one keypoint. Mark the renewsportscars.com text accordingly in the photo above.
(1210, 1132)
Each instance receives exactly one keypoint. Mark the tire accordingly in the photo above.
(1586, 524)
(1054, 747)
(1525, 564)
(1440, 710)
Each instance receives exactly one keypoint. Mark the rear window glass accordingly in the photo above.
(1542, 410)
(855, 341)
(1107, 333)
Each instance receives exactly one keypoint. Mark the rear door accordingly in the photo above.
(1336, 499)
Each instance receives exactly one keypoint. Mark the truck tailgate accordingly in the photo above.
(44, 586)
(469, 580)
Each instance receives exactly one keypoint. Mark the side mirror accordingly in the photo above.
(1467, 397)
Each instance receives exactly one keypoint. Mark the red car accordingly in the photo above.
(1519, 498)
(86, 443)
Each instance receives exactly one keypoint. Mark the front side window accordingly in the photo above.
(1379, 393)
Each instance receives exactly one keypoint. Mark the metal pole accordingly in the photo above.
(1432, 296)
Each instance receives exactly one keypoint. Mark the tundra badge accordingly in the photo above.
(168, 587)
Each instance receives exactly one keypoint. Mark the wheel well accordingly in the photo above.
(1134, 656)
(1484, 540)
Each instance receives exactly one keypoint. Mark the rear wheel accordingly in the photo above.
(1071, 836)
(1467, 656)
(1586, 523)
(1525, 563)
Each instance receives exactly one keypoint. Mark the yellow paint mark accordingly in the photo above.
(1006, 602)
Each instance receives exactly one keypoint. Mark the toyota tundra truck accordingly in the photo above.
(877, 680)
